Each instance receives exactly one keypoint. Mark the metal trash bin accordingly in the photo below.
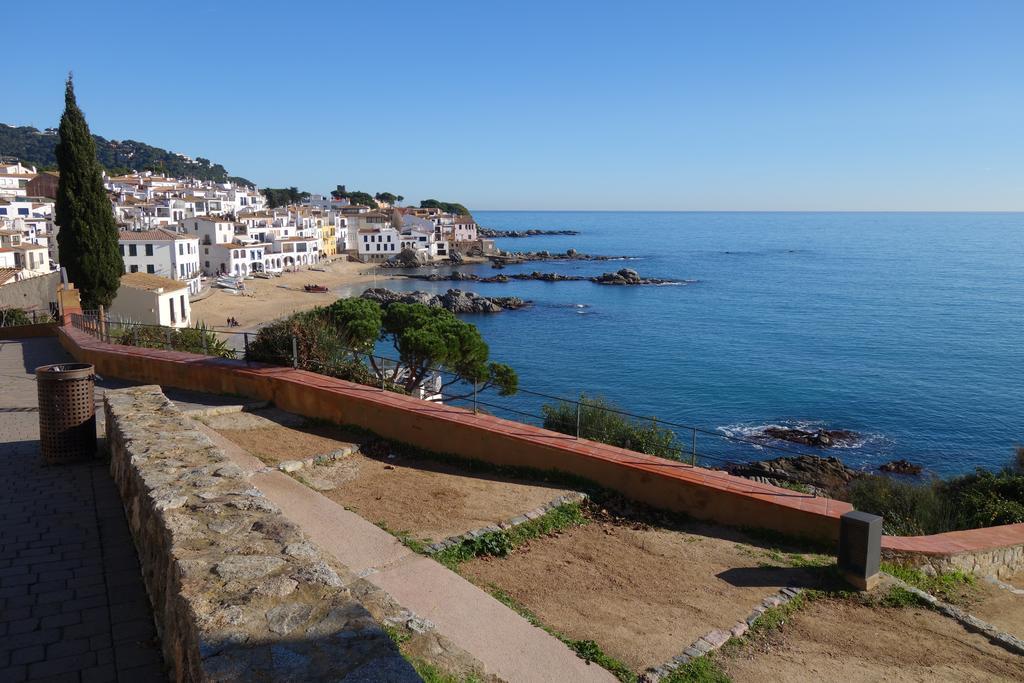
(67, 412)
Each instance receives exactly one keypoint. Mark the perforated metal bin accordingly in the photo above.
(67, 412)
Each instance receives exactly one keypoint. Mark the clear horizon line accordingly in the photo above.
(752, 210)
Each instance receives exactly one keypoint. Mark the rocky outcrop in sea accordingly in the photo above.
(819, 438)
(829, 475)
(454, 300)
(568, 255)
(490, 234)
(625, 276)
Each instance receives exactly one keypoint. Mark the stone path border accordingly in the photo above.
(321, 459)
(571, 497)
(1005, 586)
(715, 639)
(968, 621)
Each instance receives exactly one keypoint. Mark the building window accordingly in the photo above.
(133, 250)
(181, 249)
(183, 316)
(149, 250)
(134, 269)
(171, 302)
(121, 247)
(151, 269)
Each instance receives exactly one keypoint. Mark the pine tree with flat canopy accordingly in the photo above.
(87, 240)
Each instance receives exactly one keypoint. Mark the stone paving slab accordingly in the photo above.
(72, 602)
(508, 645)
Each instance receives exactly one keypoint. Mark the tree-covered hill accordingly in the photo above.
(35, 147)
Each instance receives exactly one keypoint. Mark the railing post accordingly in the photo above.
(693, 448)
(135, 335)
(578, 411)
(167, 335)
(245, 341)
(206, 349)
(474, 397)
(295, 352)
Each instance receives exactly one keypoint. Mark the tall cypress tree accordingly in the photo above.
(87, 240)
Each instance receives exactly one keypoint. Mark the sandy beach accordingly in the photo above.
(267, 300)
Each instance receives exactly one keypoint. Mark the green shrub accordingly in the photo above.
(599, 421)
(196, 339)
(969, 501)
(12, 317)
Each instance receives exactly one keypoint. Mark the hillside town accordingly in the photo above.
(190, 236)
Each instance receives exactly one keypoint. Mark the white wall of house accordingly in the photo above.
(169, 308)
(379, 244)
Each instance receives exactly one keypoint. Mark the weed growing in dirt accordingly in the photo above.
(900, 597)
(698, 670)
(954, 586)
(407, 539)
(587, 650)
(501, 543)
(431, 674)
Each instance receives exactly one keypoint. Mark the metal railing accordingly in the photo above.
(690, 445)
(18, 316)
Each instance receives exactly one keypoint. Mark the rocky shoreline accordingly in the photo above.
(454, 300)
(507, 257)
(490, 233)
(624, 276)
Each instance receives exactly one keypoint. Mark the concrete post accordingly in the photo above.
(860, 548)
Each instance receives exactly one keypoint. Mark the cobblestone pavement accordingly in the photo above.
(72, 602)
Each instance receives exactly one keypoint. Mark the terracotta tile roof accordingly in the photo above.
(156, 235)
(151, 283)
(7, 274)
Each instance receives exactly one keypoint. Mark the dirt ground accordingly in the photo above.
(281, 296)
(427, 500)
(999, 607)
(831, 639)
(643, 594)
(274, 436)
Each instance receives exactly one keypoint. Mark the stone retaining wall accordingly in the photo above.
(999, 562)
(238, 593)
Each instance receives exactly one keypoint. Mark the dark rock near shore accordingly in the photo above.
(627, 276)
(569, 255)
(819, 438)
(901, 467)
(489, 233)
(827, 474)
(454, 300)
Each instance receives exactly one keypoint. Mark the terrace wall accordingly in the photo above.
(238, 593)
(665, 484)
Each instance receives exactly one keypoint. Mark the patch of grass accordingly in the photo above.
(951, 586)
(407, 539)
(698, 670)
(398, 637)
(587, 650)
(900, 597)
(432, 674)
(501, 543)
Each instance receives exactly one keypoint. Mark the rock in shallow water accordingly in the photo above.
(454, 300)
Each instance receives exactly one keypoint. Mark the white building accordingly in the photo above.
(28, 258)
(162, 252)
(378, 244)
(152, 300)
(14, 179)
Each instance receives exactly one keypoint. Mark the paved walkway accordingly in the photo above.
(72, 602)
(504, 642)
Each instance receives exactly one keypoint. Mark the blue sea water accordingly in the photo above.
(905, 327)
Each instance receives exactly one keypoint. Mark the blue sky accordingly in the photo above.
(713, 105)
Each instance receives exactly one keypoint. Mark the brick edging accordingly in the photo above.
(571, 497)
(716, 638)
